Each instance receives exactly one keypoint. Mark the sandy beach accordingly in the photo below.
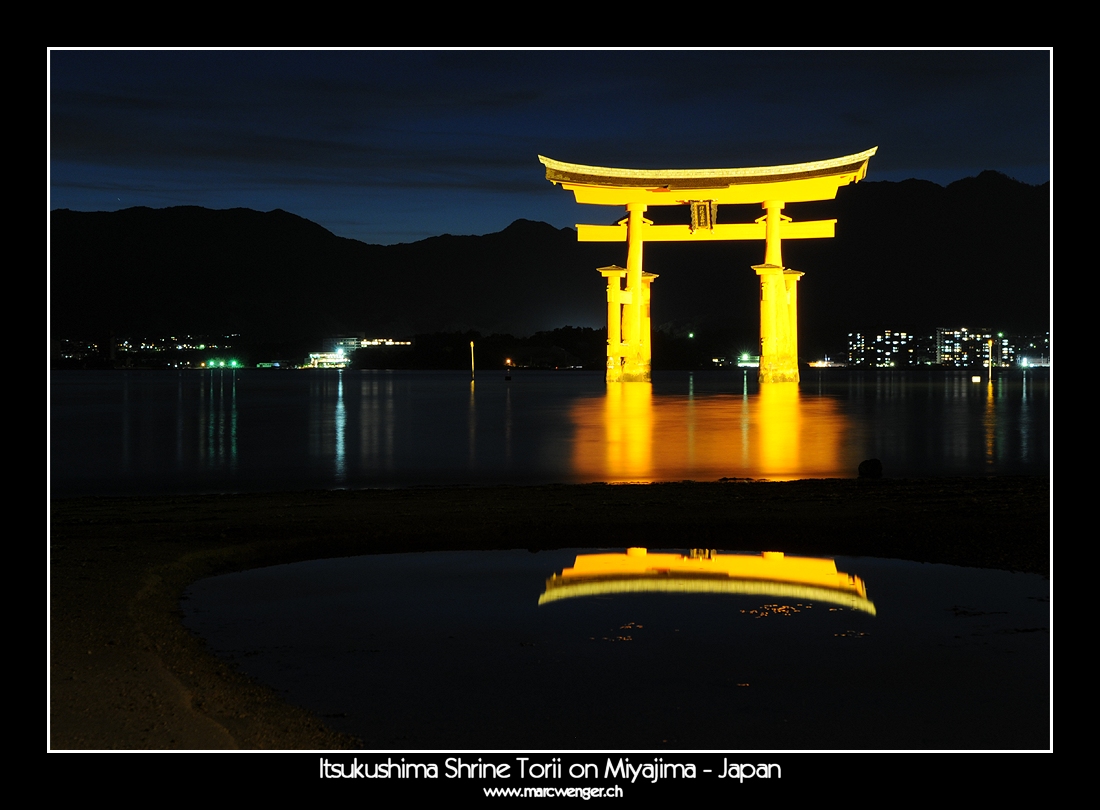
(126, 674)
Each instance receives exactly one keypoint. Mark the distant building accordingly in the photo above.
(962, 348)
(366, 344)
(1004, 352)
(350, 344)
(336, 359)
(339, 350)
(887, 349)
(953, 348)
(336, 345)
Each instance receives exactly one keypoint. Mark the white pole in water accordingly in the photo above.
(471, 359)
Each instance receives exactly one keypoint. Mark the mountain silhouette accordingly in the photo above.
(909, 255)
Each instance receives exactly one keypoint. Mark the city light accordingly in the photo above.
(951, 348)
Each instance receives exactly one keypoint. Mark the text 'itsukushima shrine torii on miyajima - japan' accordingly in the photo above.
(628, 319)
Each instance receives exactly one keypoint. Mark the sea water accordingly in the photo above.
(163, 432)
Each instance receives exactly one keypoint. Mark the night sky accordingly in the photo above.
(396, 146)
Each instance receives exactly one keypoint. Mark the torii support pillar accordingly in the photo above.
(636, 363)
(615, 350)
(778, 305)
(628, 341)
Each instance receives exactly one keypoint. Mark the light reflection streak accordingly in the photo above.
(180, 420)
(233, 421)
(218, 420)
(628, 430)
(989, 422)
(631, 435)
(376, 421)
(327, 423)
(1025, 419)
(508, 427)
(124, 410)
(690, 421)
(341, 419)
(471, 421)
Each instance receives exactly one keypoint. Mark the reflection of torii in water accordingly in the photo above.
(628, 343)
(702, 571)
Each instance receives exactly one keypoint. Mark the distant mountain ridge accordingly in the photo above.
(907, 255)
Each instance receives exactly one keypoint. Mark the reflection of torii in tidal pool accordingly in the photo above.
(628, 325)
(771, 573)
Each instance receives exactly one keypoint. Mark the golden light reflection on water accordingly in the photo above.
(770, 573)
(989, 422)
(630, 434)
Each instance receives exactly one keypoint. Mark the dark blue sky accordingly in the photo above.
(395, 146)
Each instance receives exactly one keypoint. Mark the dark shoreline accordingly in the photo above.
(126, 674)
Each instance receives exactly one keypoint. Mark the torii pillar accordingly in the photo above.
(629, 327)
(778, 304)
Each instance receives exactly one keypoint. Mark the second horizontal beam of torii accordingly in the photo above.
(816, 229)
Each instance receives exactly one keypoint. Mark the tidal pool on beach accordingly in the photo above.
(470, 650)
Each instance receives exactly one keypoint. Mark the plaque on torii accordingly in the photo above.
(628, 344)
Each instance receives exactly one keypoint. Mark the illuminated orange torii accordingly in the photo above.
(628, 345)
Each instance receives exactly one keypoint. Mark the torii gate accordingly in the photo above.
(628, 326)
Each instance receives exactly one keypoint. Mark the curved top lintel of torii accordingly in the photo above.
(796, 182)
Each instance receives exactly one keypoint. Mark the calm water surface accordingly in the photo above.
(135, 432)
(454, 651)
